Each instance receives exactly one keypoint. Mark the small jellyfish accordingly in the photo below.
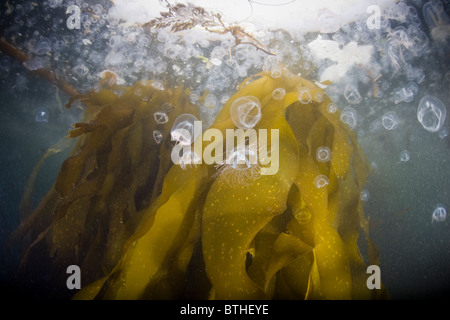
(375, 126)
(323, 154)
(349, 117)
(43, 47)
(210, 101)
(183, 129)
(437, 19)
(431, 113)
(158, 136)
(34, 63)
(158, 85)
(390, 120)
(439, 214)
(443, 133)
(329, 22)
(352, 95)
(302, 215)
(80, 70)
(405, 156)
(403, 95)
(365, 195)
(275, 72)
(332, 108)
(278, 93)
(41, 115)
(304, 96)
(246, 112)
(160, 117)
(321, 181)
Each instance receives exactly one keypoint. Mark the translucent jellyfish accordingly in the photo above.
(417, 41)
(183, 129)
(390, 120)
(158, 136)
(34, 63)
(275, 72)
(323, 154)
(349, 117)
(375, 126)
(41, 115)
(240, 165)
(304, 96)
(160, 117)
(43, 47)
(405, 156)
(158, 85)
(332, 108)
(439, 214)
(431, 113)
(278, 93)
(365, 195)
(352, 95)
(437, 20)
(246, 112)
(403, 95)
(80, 70)
(321, 181)
(443, 133)
(210, 101)
(329, 22)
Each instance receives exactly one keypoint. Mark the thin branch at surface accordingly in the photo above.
(182, 17)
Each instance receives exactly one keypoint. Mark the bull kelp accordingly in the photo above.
(141, 227)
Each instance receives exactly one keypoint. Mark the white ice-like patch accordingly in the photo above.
(350, 55)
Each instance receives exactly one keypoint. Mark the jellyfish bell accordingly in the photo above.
(439, 214)
(390, 120)
(183, 129)
(41, 115)
(321, 181)
(431, 113)
(246, 112)
(323, 154)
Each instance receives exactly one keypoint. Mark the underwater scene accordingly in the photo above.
(224, 150)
